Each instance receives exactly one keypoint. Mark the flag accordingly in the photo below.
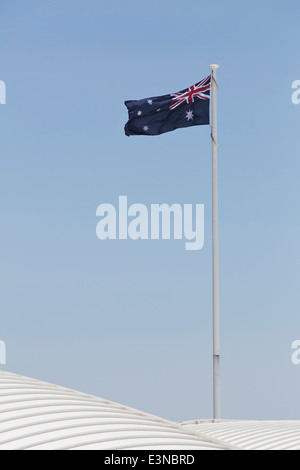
(160, 114)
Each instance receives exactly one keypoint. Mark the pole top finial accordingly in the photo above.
(214, 66)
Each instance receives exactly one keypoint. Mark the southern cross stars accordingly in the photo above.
(189, 116)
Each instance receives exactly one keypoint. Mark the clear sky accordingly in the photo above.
(131, 321)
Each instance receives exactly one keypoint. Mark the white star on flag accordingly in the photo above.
(139, 113)
(145, 128)
(189, 115)
(150, 101)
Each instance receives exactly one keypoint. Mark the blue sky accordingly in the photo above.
(131, 320)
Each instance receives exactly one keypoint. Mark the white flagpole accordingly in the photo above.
(215, 250)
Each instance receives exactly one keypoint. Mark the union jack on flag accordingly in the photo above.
(160, 114)
(195, 91)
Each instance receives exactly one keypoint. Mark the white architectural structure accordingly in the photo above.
(39, 415)
(251, 435)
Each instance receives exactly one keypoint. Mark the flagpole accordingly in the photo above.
(215, 250)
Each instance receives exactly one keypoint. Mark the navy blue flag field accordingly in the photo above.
(154, 116)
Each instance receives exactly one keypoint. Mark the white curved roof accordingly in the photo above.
(38, 415)
(251, 435)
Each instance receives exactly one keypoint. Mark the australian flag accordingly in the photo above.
(154, 116)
